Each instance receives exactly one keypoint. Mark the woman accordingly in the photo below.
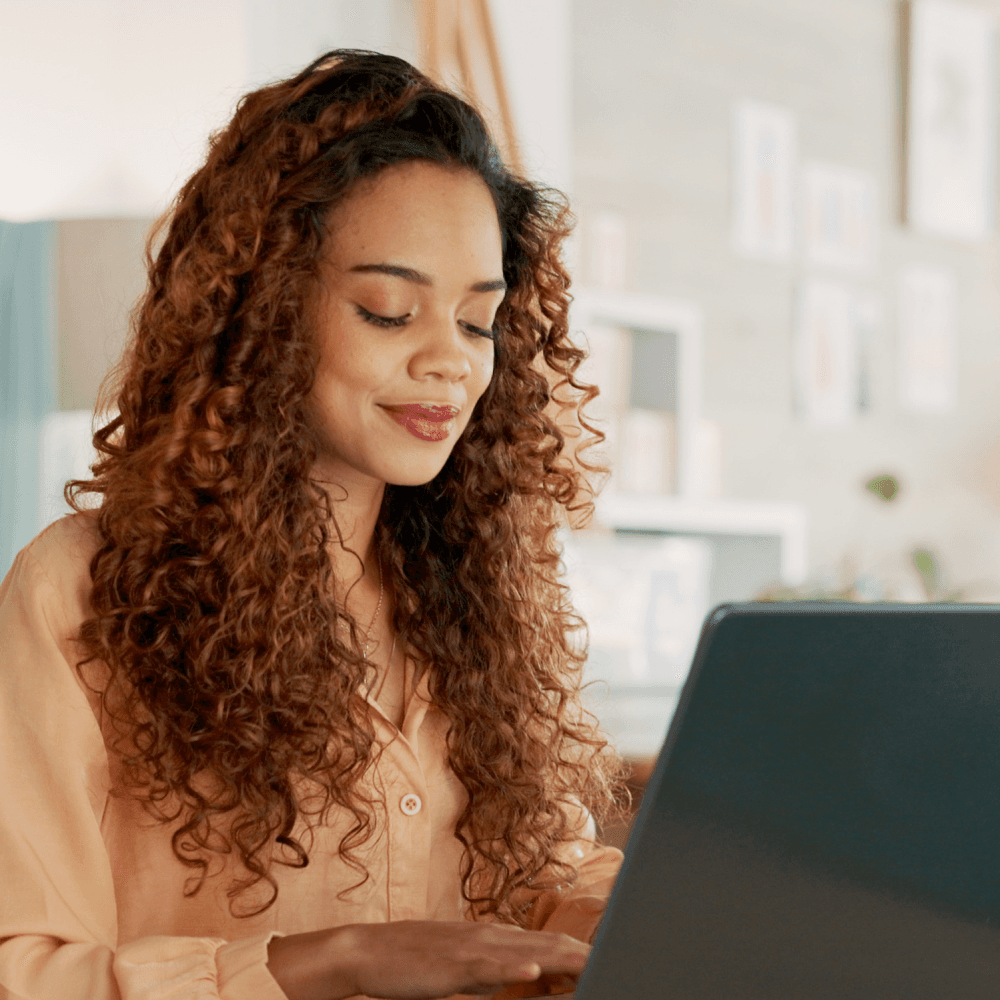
(295, 712)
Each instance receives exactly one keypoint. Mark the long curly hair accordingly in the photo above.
(212, 602)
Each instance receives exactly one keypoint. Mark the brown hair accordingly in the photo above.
(211, 587)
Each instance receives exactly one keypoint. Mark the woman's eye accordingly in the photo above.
(479, 331)
(376, 320)
(385, 321)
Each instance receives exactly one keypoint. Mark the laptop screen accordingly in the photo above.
(824, 820)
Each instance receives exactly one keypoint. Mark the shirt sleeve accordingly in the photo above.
(578, 910)
(58, 922)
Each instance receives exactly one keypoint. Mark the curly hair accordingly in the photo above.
(211, 600)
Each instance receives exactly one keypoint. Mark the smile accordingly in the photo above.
(429, 423)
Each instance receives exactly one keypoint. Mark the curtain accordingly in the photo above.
(459, 50)
(27, 375)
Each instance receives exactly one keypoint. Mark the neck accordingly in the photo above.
(356, 512)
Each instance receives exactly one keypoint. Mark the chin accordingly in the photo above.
(410, 473)
(414, 479)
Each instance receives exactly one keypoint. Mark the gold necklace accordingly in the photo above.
(392, 649)
(378, 608)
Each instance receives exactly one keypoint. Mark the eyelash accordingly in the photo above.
(390, 321)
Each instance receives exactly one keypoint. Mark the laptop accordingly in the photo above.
(823, 820)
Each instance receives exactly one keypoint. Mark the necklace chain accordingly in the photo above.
(368, 634)
(378, 608)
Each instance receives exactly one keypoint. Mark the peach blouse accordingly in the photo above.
(91, 896)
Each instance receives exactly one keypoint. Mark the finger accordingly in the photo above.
(570, 956)
(489, 972)
(527, 970)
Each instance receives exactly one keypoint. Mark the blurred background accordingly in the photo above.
(786, 269)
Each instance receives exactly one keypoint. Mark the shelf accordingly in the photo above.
(786, 520)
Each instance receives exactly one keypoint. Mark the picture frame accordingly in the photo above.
(949, 130)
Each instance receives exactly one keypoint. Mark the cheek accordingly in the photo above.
(484, 370)
(350, 359)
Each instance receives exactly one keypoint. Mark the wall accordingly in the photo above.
(654, 85)
(535, 42)
(142, 133)
(26, 377)
(99, 275)
(109, 111)
(109, 192)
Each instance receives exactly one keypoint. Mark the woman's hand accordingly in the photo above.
(424, 959)
(419, 959)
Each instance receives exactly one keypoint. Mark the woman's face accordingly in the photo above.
(412, 280)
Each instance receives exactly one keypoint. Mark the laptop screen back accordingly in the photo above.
(824, 820)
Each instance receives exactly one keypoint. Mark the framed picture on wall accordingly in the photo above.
(764, 164)
(927, 347)
(840, 221)
(949, 128)
(827, 353)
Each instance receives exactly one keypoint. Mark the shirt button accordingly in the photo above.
(410, 804)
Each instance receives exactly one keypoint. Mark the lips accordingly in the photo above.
(429, 423)
(436, 414)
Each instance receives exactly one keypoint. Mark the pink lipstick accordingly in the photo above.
(429, 423)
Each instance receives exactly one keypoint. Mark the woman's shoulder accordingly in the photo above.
(49, 690)
(58, 559)
(66, 546)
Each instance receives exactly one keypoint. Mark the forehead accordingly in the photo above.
(418, 208)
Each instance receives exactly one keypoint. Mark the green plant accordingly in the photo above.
(924, 561)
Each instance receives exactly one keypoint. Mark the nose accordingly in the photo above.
(442, 351)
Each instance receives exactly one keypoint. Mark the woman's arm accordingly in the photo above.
(419, 959)
(578, 910)
(58, 925)
(316, 965)
(42, 967)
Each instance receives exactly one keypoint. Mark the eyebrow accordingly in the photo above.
(419, 278)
